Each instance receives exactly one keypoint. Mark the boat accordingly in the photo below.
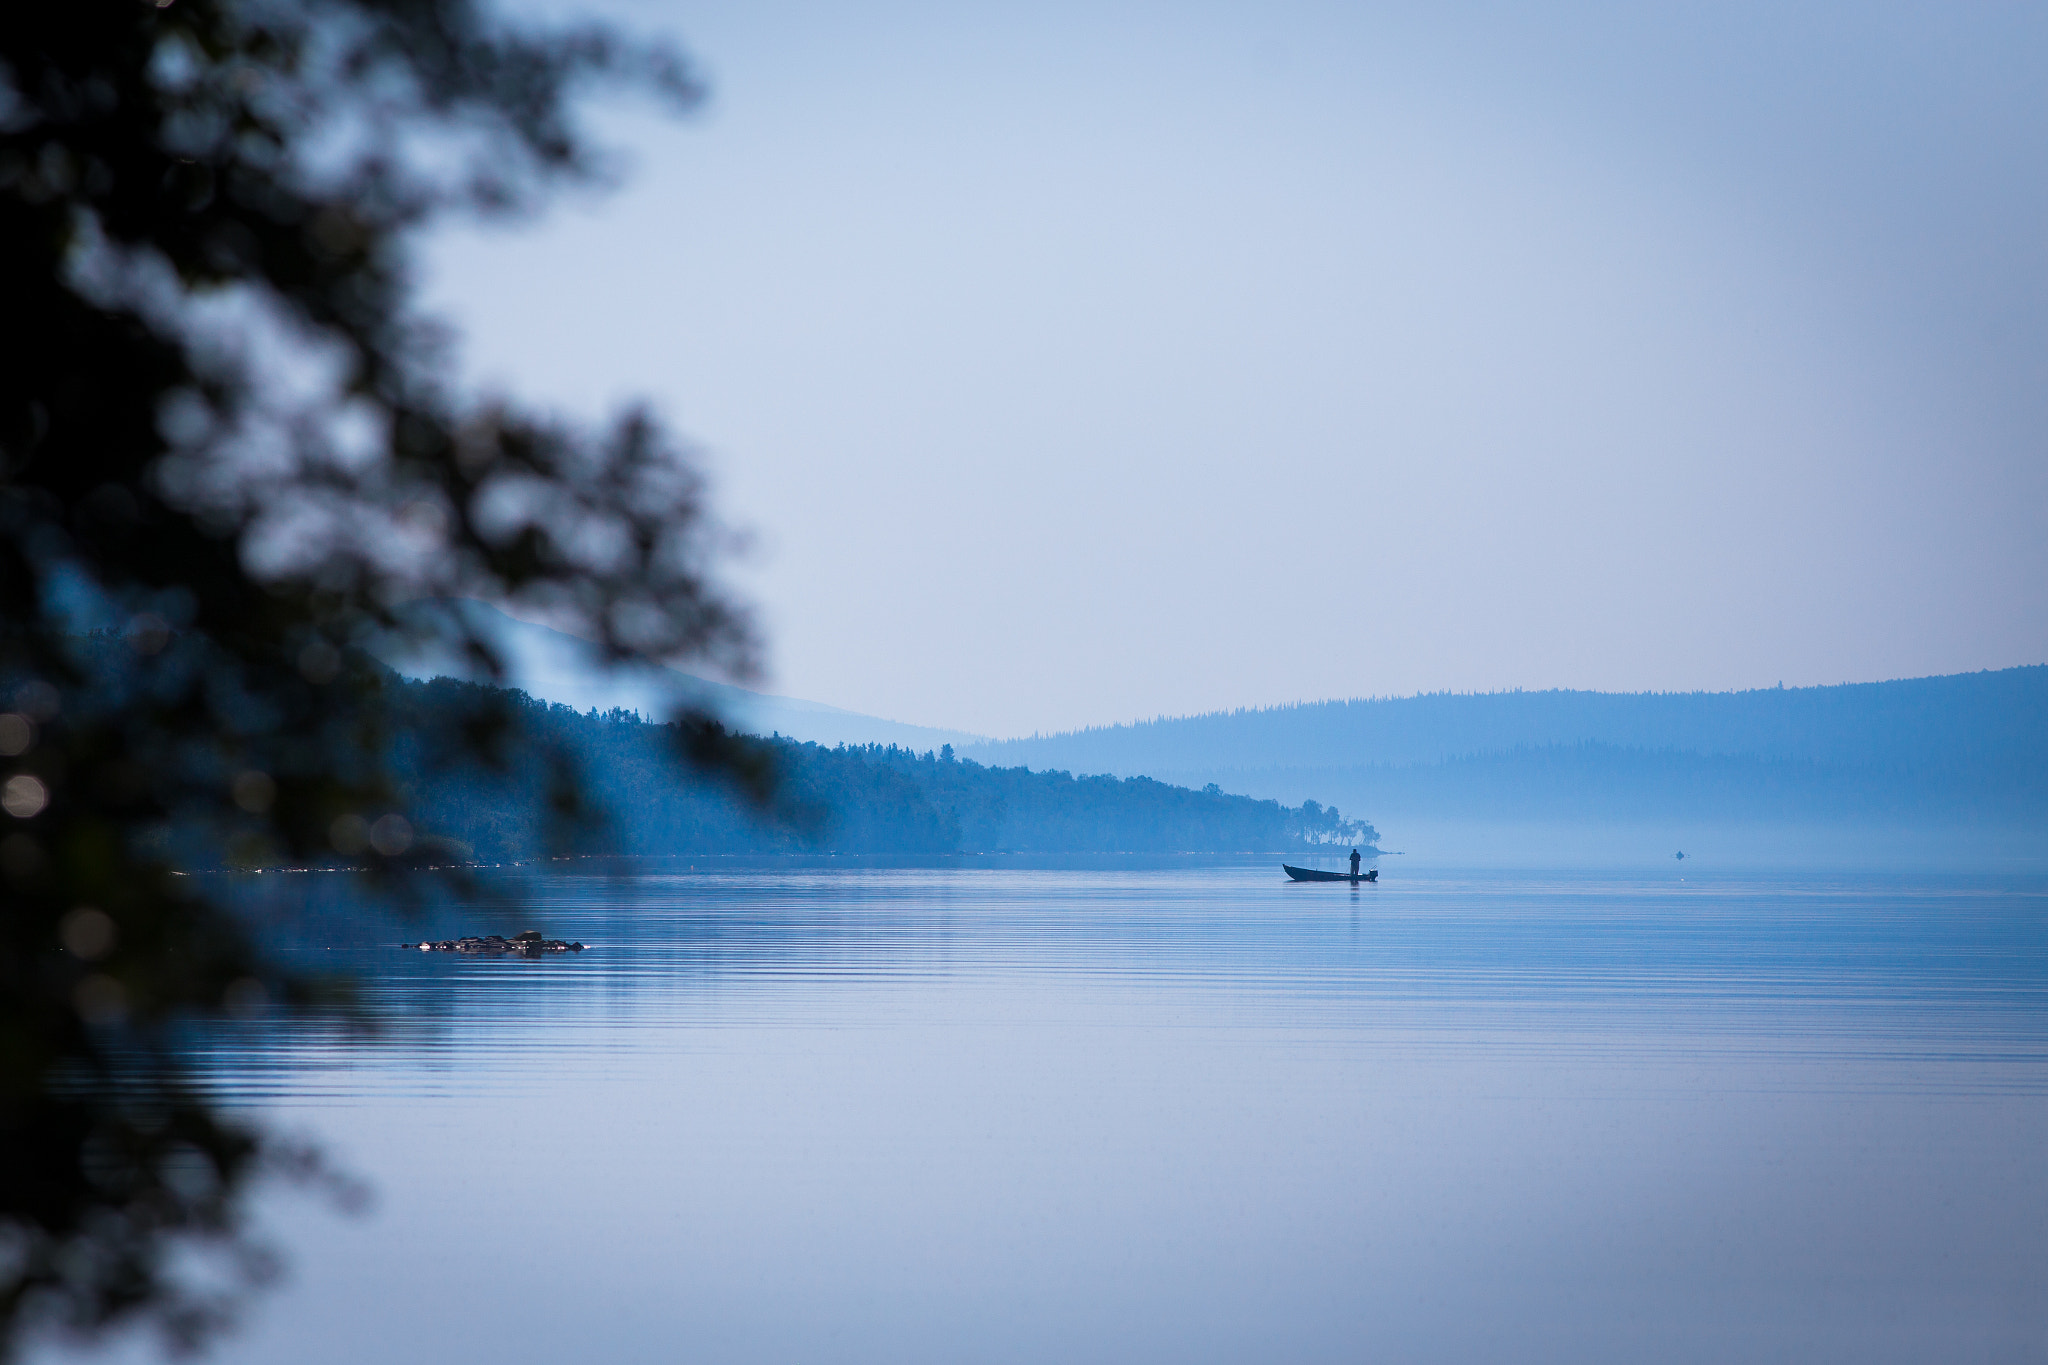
(1310, 874)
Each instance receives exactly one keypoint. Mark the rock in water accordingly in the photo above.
(528, 944)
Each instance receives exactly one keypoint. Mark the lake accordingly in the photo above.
(1184, 1113)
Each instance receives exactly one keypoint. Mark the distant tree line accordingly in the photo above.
(637, 796)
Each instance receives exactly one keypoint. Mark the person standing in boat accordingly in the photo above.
(1354, 864)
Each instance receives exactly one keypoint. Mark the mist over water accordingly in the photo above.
(1175, 1111)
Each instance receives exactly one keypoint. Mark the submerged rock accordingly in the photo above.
(528, 944)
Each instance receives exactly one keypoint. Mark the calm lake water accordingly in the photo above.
(1187, 1114)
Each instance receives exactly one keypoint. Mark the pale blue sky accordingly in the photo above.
(1078, 363)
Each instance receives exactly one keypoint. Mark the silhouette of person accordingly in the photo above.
(1354, 864)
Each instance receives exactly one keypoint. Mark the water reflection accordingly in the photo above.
(1181, 1114)
(1949, 968)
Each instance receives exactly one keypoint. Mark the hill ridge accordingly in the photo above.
(1968, 746)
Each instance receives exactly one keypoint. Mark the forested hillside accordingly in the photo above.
(851, 799)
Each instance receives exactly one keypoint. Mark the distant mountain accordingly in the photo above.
(557, 667)
(1970, 748)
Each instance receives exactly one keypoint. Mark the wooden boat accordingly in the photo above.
(1309, 874)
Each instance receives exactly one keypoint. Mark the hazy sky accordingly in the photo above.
(1079, 363)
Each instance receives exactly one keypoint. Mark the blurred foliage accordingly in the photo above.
(229, 451)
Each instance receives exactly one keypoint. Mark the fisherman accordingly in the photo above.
(1354, 864)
